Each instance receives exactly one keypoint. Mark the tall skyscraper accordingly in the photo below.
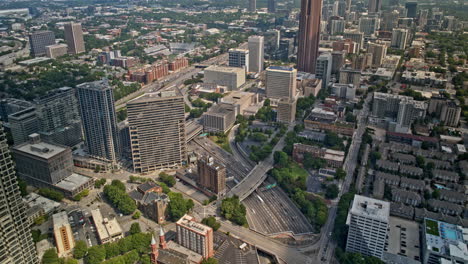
(96, 103)
(368, 223)
(271, 6)
(411, 9)
(309, 35)
(399, 38)
(211, 175)
(337, 27)
(281, 82)
(195, 236)
(239, 58)
(374, 6)
(272, 42)
(16, 244)
(74, 38)
(38, 41)
(323, 69)
(157, 130)
(252, 6)
(339, 8)
(256, 53)
(59, 117)
(23, 124)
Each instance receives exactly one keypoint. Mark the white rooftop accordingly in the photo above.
(60, 219)
(371, 208)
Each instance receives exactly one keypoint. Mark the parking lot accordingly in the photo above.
(271, 211)
(82, 226)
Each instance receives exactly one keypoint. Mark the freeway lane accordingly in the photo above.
(258, 175)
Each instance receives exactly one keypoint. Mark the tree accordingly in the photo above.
(51, 194)
(340, 174)
(119, 198)
(80, 249)
(281, 158)
(167, 179)
(69, 261)
(331, 192)
(233, 210)
(209, 261)
(95, 255)
(436, 194)
(50, 257)
(211, 222)
(310, 162)
(420, 161)
(178, 206)
(136, 215)
(135, 228)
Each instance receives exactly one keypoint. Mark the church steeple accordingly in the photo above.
(154, 251)
(162, 238)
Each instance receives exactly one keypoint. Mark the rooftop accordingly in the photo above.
(446, 239)
(188, 221)
(155, 96)
(40, 149)
(369, 207)
(73, 181)
(403, 232)
(60, 219)
(225, 69)
(280, 68)
(105, 228)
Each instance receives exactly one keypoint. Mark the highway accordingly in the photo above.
(327, 245)
(258, 175)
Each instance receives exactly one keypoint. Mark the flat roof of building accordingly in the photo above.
(188, 222)
(105, 228)
(34, 199)
(73, 182)
(280, 68)
(225, 69)
(42, 150)
(446, 239)
(370, 207)
(60, 219)
(155, 96)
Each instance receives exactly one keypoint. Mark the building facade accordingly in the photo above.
(157, 131)
(97, 110)
(281, 82)
(239, 58)
(309, 35)
(16, 244)
(23, 124)
(256, 53)
(74, 38)
(399, 38)
(324, 68)
(59, 117)
(286, 110)
(368, 221)
(211, 175)
(195, 236)
(38, 41)
(231, 77)
(57, 50)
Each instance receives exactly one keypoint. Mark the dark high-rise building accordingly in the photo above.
(252, 5)
(96, 104)
(38, 42)
(374, 6)
(16, 244)
(411, 9)
(211, 175)
(309, 35)
(59, 117)
(271, 6)
(74, 38)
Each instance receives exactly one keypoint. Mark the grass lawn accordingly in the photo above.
(223, 142)
(432, 227)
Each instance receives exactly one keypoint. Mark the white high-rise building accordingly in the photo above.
(399, 38)
(239, 58)
(337, 26)
(281, 82)
(256, 57)
(368, 222)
